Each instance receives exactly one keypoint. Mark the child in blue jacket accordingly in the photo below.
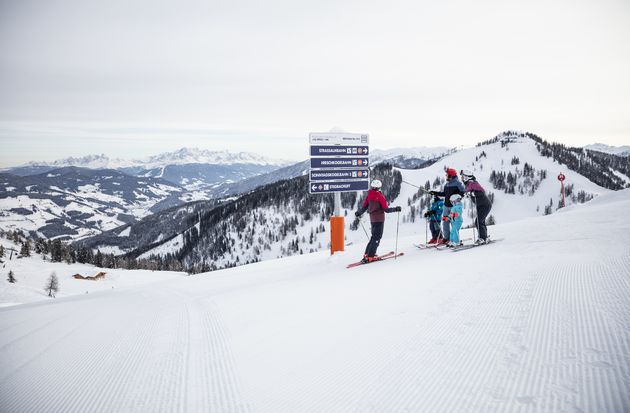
(434, 215)
(456, 219)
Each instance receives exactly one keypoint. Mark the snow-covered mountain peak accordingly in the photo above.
(613, 150)
(93, 161)
(181, 156)
(419, 152)
(195, 155)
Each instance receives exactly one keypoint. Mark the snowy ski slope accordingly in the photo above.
(536, 323)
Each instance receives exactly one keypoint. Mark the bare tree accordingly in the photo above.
(52, 285)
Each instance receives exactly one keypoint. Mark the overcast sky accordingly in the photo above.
(132, 78)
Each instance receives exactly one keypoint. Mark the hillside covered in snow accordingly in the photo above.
(76, 202)
(281, 219)
(534, 323)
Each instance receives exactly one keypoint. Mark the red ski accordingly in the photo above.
(387, 256)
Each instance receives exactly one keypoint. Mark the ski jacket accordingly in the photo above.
(459, 210)
(451, 187)
(435, 211)
(479, 196)
(376, 206)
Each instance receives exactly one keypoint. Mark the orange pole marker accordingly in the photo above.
(336, 234)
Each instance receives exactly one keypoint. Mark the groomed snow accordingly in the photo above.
(32, 272)
(535, 323)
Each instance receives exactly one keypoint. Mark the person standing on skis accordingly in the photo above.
(481, 201)
(434, 215)
(456, 219)
(376, 205)
(451, 187)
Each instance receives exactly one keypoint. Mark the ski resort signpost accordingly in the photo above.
(339, 163)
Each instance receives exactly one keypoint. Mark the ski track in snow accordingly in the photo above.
(517, 326)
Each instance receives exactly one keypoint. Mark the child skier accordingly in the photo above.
(452, 186)
(481, 201)
(456, 219)
(376, 205)
(434, 215)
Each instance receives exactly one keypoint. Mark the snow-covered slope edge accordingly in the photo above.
(32, 273)
(537, 322)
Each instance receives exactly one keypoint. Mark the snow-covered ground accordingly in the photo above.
(535, 323)
(33, 272)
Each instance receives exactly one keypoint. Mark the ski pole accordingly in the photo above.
(397, 222)
(426, 230)
(416, 186)
(366, 234)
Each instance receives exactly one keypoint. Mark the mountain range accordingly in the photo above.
(280, 219)
(36, 197)
(613, 150)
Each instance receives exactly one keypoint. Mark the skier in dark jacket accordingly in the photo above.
(376, 205)
(434, 215)
(481, 201)
(451, 187)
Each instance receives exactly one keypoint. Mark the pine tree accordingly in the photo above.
(11, 278)
(1, 251)
(52, 285)
(25, 251)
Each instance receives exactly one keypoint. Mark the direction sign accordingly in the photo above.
(347, 139)
(329, 175)
(339, 162)
(338, 186)
(338, 150)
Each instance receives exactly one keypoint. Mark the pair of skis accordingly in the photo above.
(436, 246)
(441, 247)
(469, 246)
(383, 257)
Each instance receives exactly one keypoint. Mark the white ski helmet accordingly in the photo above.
(376, 184)
(466, 175)
(455, 198)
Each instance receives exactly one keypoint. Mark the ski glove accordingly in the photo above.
(358, 214)
(454, 215)
(397, 209)
(426, 214)
(444, 218)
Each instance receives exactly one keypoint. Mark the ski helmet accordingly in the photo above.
(466, 175)
(376, 184)
(451, 173)
(455, 198)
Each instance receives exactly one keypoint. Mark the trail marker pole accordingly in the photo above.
(397, 222)
(561, 178)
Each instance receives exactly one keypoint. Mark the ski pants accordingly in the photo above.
(434, 226)
(455, 226)
(446, 225)
(375, 240)
(482, 212)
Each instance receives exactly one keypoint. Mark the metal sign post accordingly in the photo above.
(339, 163)
(561, 178)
